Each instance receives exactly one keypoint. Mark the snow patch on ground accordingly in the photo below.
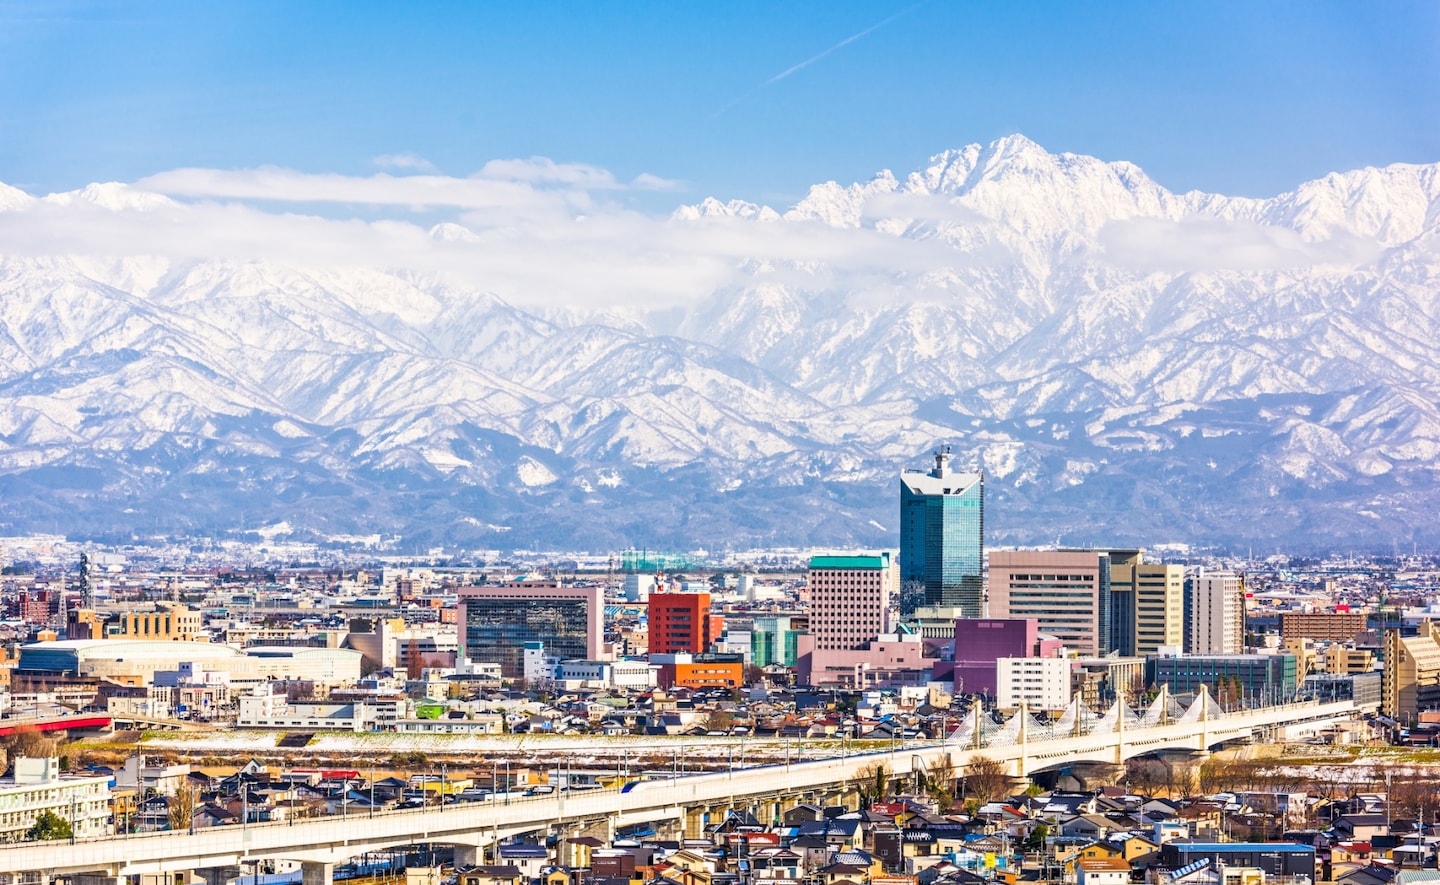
(533, 473)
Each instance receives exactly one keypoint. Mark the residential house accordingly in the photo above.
(775, 863)
(530, 860)
(1362, 826)
(1136, 849)
(1102, 871)
(490, 875)
(1097, 850)
(577, 851)
(1370, 874)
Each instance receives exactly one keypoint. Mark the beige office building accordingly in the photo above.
(1410, 681)
(166, 623)
(1059, 589)
(1095, 601)
(1159, 603)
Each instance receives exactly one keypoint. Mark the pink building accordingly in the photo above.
(885, 661)
(980, 641)
(849, 643)
(849, 600)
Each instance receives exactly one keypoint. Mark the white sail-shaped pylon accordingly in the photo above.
(1009, 733)
(1164, 710)
(1077, 719)
(1203, 706)
(1110, 722)
(964, 733)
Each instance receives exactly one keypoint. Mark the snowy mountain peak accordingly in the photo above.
(449, 232)
(1392, 204)
(713, 208)
(841, 206)
(114, 196)
(1112, 353)
(12, 198)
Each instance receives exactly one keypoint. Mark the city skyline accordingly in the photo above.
(458, 442)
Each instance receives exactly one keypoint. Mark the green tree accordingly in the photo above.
(49, 825)
(1036, 840)
(872, 782)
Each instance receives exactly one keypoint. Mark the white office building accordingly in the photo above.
(268, 709)
(37, 786)
(636, 675)
(1215, 613)
(639, 587)
(1040, 683)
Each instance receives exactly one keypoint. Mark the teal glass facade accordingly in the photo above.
(942, 531)
(1267, 679)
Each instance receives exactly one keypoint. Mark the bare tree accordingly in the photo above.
(1140, 775)
(31, 742)
(181, 807)
(719, 720)
(939, 782)
(1218, 774)
(986, 779)
(27, 741)
(1179, 778)
(1414, 796)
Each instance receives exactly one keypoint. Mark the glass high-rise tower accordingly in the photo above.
(942, 532)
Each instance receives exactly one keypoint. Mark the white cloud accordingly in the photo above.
(403, 161)
(918, 207)
(287, 185)
(538, 232)
(1212, 244)
(647, 182)
(543, 170)
(533, 233)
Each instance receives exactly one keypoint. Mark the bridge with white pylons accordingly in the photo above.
(683, 805)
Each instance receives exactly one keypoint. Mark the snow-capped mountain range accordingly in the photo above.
(1128, 365)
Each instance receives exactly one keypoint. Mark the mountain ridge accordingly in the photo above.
(1112, 354)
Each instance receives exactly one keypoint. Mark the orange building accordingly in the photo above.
(679, 623)
(701, 671)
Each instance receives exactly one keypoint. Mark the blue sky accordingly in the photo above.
(1239, 98)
